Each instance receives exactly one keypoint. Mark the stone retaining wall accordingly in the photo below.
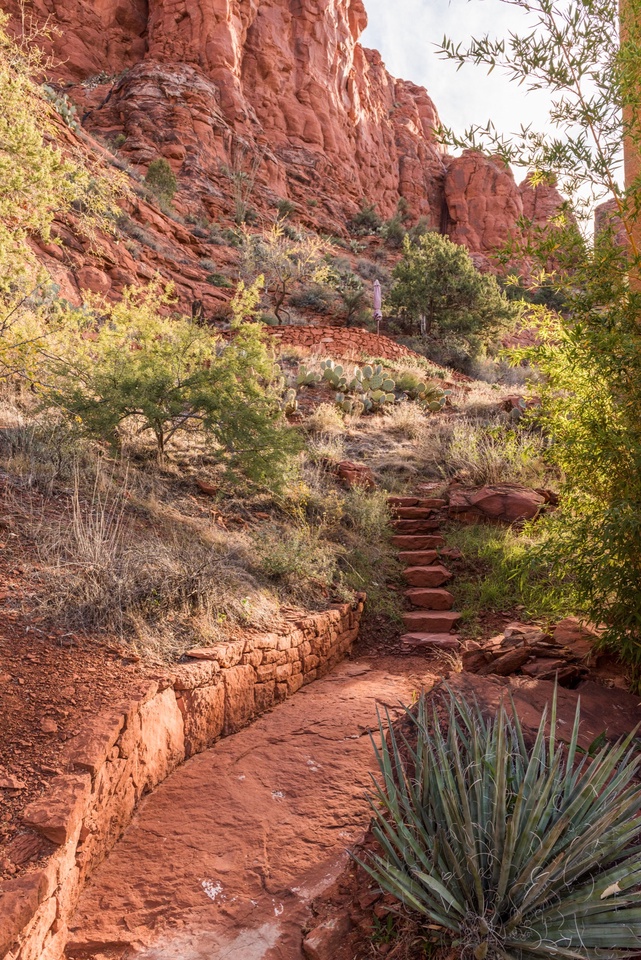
(341, 342)
(130, 751)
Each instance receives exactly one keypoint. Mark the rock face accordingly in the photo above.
(274, 100)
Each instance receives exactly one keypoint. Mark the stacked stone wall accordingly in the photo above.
(127, 753)
(351, 342)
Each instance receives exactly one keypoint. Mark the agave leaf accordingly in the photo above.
(441, 891)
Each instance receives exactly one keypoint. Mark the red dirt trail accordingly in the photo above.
(223, 859)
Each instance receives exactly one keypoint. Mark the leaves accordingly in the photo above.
(514, 849)
(437, 280)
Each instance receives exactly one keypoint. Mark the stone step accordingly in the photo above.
(415, 526)
(402, 502)
(434, 502)
(429, 642)
(430, 599)
(431, 621)
(410, 541)
(434, 576)
(418, 558)
(412, 513)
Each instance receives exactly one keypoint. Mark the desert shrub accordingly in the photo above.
(171, 376)
(285, 208)
(299, 561)
(161, 179)
(314, 297)
(486, 452)
(326, 447)
(406, 419)
(42, 450)
(372, 271)
(219, 280)
(438, 290)
(353, 296)
(366, 221)
(164, 584)
(420, 229)
(326, 418)
(284, 263)
(513, 849)
(393, 232)
(368, 513)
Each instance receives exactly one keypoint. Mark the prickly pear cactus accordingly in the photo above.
(333, 373)
(307, 378)
(289, 403)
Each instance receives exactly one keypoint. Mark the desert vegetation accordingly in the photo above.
(174, 475)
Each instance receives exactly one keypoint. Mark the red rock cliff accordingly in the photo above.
(280, 91)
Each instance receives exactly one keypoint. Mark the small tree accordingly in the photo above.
(353, 295)
(170, 376)
(161, 179)
(437, 287)
(284, 263)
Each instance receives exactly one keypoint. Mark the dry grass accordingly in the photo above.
(477, 452)
(103, 569)
(326, 419)
(406, 419)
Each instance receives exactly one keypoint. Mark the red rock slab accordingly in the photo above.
(416, 526)
(433, 502)
(613, 712)
(418, 558)
(418, 542)
(57, 815)
(450, 553)
(429, 642)
(434, 576)
(504, 502)
(284, 796)
(402, 502)
(413, 513)
(579, 637)
(20, 899)
(430, 599)
(431, 621)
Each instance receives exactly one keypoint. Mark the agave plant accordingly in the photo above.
(517, 852)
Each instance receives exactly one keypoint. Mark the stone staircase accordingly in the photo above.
(431, 623)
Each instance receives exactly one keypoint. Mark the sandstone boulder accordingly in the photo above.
(501, 503)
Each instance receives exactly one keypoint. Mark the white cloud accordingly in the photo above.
(406, 32)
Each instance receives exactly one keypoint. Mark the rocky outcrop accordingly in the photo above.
(282, 89)
(276, 100)
(501, 503)
(484, 203)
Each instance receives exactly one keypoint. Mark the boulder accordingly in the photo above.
(500, 503)
(355, 475)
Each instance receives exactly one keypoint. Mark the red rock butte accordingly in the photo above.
(281, 90)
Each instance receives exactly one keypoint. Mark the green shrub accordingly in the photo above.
(285, 208)
(514, 850)
(161, 179)
(366, 221)
(393, 231)
(219, 280)
(437, 289)
(169, 377)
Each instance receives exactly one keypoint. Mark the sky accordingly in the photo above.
(405, 31)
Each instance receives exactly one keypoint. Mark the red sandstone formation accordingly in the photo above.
(283, 93)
